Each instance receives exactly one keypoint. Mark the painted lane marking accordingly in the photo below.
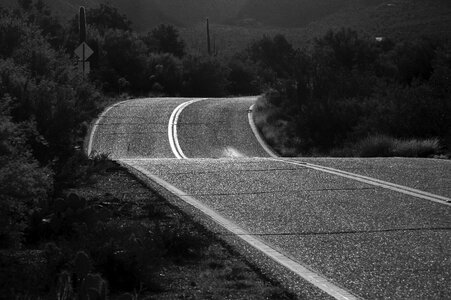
(254, 128)
(294, 266)
(172, 128)
(96, 124)
(365, 179)
(373, 181)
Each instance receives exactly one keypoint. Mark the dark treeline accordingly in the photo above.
(45, 109)
(348, 88)
(54, 243)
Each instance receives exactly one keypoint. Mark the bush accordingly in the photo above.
(385, 146)
(166, 73)
(165, 39)
(348, 88)
(417, 148)
(79, 168)
(204, 77)
(375, 146)
(243, 78)
(126, 253)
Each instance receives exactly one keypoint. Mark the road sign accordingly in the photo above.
(84, 66)
(83, 51)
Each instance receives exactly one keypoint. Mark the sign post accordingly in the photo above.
(83, 51)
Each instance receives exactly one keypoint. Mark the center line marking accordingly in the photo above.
(172, 128)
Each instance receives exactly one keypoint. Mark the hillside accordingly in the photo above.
(146, 14)
(237, 22)
(396, 19)
(289, 13)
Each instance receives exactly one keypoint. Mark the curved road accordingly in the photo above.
(326, 228)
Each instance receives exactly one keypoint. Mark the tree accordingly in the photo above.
(107, 17)
(243, 78)
(165, 39)
(413, 60)
(124, 63)
(276, 53)
(204, 77)
(166, 70)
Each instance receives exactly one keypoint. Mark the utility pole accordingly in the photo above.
(208, 38)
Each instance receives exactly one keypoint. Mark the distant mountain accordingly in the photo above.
(396, 19)
(236, 22)
(145, 14)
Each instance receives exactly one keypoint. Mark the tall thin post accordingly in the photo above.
(82, 24)
(208, 38)
(82, 28)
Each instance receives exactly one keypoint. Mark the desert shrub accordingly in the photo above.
(416, 148)
(166, 73)
(79, 169)
(204, 77)
(384, 146)
(348, 87)
(126, 253)
(12, 33)
(123, 64)
(23, 183)
(31, 274)
(277, 129)
(19, 274)
(274, 53)
(165, 39)
(243, 78)
(181, 242)
(106, 17)
(375, 146)
(23, 186)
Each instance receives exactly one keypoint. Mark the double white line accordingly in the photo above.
(172, 128)
(299, 269)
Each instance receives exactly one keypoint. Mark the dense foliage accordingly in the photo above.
(44, 109)
(349, 87)
(46, 106)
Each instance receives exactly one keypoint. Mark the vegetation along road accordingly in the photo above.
(324, 227)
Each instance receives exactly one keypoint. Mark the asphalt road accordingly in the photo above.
(364, 238)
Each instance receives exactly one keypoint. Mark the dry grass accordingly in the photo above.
(276, 129)
(386, 146)
(142, 246)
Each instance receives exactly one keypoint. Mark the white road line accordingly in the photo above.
(96, 124)
(373, 181)
(254, 128)
(365, 179)
(172, 128)
(301, 270)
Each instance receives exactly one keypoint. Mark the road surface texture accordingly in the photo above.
(325, 227)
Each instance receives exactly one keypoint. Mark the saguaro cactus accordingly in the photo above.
(82, 24)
